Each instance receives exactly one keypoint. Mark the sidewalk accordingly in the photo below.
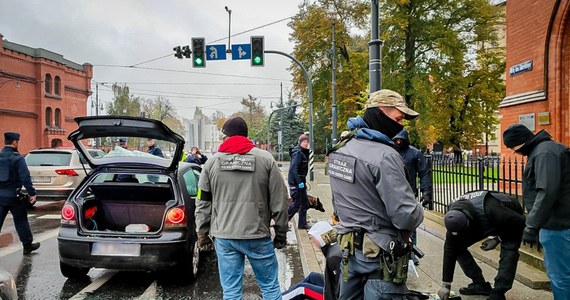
(430, 268)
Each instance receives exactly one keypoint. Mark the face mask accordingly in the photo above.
(377, 120)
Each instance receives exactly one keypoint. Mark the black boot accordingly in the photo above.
(484, 289)
(31, 247)
(497, 296)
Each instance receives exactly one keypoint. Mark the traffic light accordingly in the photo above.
(198, 52)
(186, 51)
(257, 51)
(178, 51)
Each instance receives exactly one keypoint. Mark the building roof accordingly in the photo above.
(42, 53)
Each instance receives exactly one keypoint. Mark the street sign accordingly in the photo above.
(241, 51)
(215, 52)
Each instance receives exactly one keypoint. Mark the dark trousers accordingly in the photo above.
(507, 267)
(20, 214)
(300, 204)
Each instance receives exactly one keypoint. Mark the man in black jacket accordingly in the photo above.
(297, 181)
(13, 174)
(546, 195)
(471, 218)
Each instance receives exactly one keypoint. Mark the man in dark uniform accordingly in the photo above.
(13, 174)
(153, 148)
(297, 181)
(471, 218)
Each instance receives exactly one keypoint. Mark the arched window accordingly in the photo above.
(48, 117)
(57, 117)
(57, 86)
(48, 83)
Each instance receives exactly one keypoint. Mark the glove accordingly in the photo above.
(530, 236)
(301, 185)
(426, 201)
(490, 244)
(444, 291)
(280, 241)
(205, 243)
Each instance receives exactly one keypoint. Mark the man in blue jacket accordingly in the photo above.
(297, 181)
(13, 174)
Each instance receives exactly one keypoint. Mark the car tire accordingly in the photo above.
(71, 271)
(188, 267)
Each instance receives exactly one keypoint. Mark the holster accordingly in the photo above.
(395, 268)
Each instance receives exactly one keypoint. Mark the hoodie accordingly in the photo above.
(299, 166)
(416, 165)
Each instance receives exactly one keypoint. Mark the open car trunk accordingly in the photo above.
(126, 206)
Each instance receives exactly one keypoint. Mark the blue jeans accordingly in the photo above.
(556, 245)
(358, 286)
(312, 285)
(20, 214)
(261, 255)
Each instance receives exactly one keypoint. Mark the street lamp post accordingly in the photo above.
(10, 80)
(374, 46)
(334, 108)
(229, 50)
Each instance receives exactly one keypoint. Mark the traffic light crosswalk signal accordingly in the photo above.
(257, 51)
(198, 52)
(178, 52)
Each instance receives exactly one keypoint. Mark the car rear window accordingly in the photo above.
(48, 158)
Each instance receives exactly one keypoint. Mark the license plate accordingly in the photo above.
(116, 249)
(41, 179)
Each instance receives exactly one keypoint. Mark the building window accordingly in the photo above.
(57, 86)
(48, 117)
(48, 84)
(57, 117)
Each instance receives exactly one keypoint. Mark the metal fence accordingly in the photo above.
(453, 177)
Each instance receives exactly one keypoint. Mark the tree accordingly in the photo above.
(124, 104)
(254, 115)
(443, 57)
(289, 122)
(312, 34)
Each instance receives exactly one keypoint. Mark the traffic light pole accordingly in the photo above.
(374, 46)
(310, 94)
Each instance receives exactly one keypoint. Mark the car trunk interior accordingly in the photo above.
(113, 206)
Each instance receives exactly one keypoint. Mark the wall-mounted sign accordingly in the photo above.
(544, 118)
(520, 68)
(528, 121)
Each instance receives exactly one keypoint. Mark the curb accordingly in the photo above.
(526, 274)
(6, 238)
(309, 260)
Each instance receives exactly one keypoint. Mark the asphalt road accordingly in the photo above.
(38, 276)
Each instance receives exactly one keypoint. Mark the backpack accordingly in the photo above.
(7, 168)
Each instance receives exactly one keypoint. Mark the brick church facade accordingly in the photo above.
(538, 67)
(41, 93)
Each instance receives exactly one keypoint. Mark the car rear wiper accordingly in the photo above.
(47, 165)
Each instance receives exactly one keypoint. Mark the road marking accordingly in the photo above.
(38, 238)
(50, 217)
(84, 293)
(150, 293)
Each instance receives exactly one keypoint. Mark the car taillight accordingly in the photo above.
(68, 172)
(68, 215)
(175, 217)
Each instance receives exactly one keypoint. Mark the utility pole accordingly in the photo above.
(97, 109)
(280, 140)
(374, 51)
(334, 110)
(229, 49)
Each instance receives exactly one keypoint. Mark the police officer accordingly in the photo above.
(297, 181)
(153, 148)
(471, 218)
(13, 174)
(375, 204)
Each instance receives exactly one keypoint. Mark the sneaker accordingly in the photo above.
(483, 289)
(31, 247)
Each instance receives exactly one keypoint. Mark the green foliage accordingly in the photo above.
(124, 104)
(292, 125)
(254, 115)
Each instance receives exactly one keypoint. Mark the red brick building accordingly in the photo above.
(41, 93)
(538, 67)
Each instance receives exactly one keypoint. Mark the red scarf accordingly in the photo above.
(236, 145)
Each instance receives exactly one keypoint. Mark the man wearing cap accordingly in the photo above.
(297, 179)
(546, 196)
(241, 191)
(471, 218)
(123, 143)
(374, 202)
(153, 148)
(13, 175)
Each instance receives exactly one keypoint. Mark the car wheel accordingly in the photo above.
(195, 260)
(71, 271)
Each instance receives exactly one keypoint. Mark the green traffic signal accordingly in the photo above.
(198, 52)
(257, 60)
(198, 61)
(257, 51)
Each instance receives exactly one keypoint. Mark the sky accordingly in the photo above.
(129, 32)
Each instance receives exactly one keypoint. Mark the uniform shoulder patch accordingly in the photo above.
(342, 166)
(237, 163)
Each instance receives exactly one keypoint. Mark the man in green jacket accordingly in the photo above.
(241, 191)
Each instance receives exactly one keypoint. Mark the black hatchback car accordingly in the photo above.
(133, 211)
